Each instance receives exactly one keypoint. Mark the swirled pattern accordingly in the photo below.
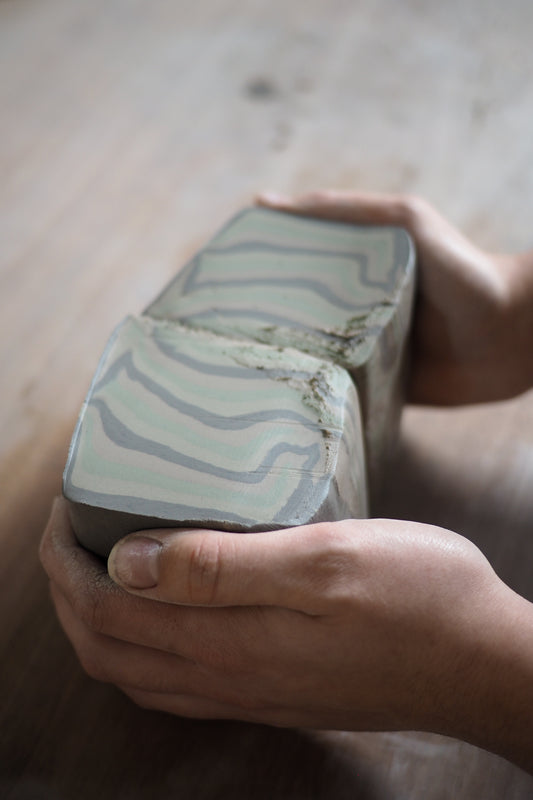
(233, 402)
(182, 427)
(340, 292)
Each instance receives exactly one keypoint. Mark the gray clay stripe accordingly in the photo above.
(157, 508)
(296, 502)
(266, 247)
(123, 437)
(317, 287)
(256, 373)
(240, 422)
(194, 284)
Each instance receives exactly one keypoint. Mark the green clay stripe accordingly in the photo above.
(123, 437)
(216, 420)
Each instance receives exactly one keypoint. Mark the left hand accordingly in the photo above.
(353, 625)
(473, 321)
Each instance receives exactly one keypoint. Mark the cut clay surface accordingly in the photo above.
(337, 291)
(185, 428)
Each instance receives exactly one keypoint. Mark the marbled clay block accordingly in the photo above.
(337, 291)
(185, 428)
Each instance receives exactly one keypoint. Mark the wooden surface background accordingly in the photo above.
(129, 131)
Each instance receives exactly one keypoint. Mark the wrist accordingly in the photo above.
(490, 695)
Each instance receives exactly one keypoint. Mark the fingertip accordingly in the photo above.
(141, 562)
(273, 200)
(134, 562)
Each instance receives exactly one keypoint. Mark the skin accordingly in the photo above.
(353, 625)
(474, 322)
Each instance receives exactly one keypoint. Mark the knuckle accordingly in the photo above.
(91, 661)
(89, 607)
(318, 197)
(329, 563)
(331, 547)
(204, 569)
(310, 198)
(411, 210)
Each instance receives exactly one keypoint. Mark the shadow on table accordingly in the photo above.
(67, 736)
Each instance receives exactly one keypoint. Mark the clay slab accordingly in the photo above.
(186, 428)
(339, 292)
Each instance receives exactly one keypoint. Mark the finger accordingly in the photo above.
(59, 551)
(80, 576)
(166, 682)
(200, 707)
(191, 706)
(343, 206)
(111, 660)
(103, 607)
(214, 568)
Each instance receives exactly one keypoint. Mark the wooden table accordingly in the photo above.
(129, 132)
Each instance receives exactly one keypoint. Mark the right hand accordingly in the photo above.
(473, 323)
(353, 625)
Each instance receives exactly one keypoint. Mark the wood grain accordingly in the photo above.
(129, 132)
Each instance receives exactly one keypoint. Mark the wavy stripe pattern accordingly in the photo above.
(294, 272)
(340, 292)
(189, 428)
(233, 402)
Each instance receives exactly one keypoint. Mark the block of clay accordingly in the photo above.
(182, 427)
(339, 292)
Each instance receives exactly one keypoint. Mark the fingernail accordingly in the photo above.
(134, 562)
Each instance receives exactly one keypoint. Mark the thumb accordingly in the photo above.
(215, 568)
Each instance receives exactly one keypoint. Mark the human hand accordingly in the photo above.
(473, 324)
(354, 625)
